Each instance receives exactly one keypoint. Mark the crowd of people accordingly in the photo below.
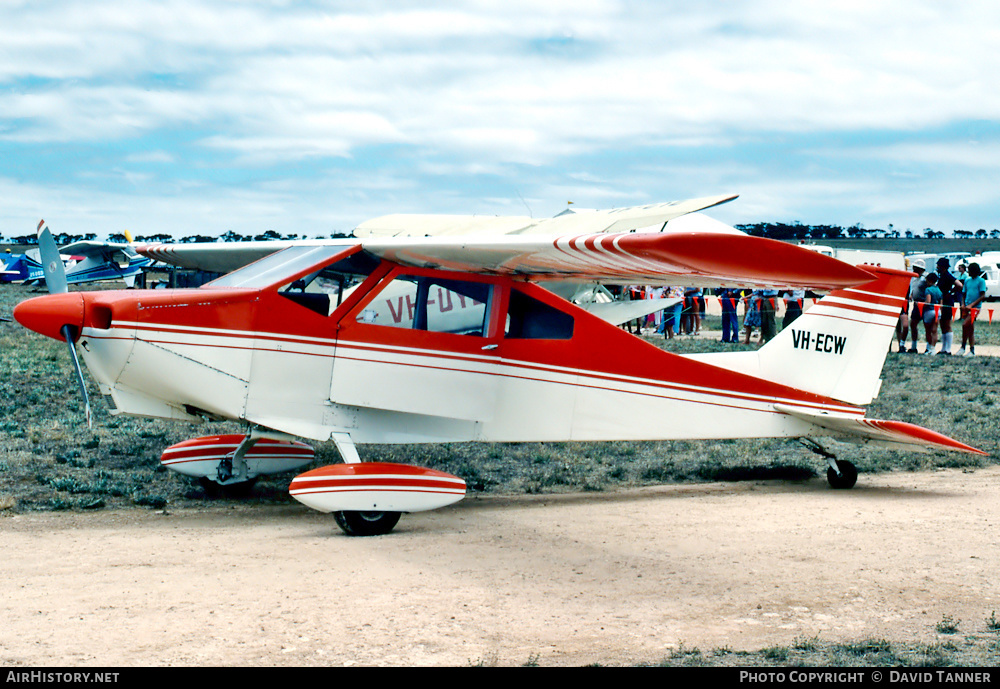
(936, 300)
(760, 308)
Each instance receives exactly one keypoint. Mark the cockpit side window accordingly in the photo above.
(432, 304)
(530, 319)
(323, 290)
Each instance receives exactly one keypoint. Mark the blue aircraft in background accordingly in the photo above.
(85, 261)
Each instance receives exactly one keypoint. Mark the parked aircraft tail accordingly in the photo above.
(837, 347)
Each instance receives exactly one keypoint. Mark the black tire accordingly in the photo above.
(366, 523)
(213, 489)
(846, 479)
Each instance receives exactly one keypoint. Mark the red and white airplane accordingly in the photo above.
(454, 338)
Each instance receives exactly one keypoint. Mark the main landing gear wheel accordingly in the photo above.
(214, 489)
(847, 477)
(366, 523)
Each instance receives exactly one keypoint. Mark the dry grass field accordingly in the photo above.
(50, 461)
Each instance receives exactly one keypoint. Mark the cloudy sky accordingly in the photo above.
(190, 117)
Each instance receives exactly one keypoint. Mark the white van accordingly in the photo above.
(989, 261)
(860, 257)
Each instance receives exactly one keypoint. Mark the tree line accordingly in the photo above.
(231, 236)
(797, 230)
(771, 230)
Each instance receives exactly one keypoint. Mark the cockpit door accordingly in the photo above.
(422, 343)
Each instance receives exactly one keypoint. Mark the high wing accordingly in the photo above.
(220, 257)
(104, 261)
(692, 259)
(612, 220)
(104, 251)
(225, 257)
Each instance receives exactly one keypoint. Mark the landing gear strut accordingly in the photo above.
(841, 474)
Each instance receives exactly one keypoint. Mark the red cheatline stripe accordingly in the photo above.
(389, 469)
(585, 376)
(363, 483)
(856, 308)
(529, 365)
(372, 490)
(430, 482)
(187, 452)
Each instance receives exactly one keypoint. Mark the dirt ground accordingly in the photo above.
(610, 578)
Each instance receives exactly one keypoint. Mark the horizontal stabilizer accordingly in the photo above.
(896, 434)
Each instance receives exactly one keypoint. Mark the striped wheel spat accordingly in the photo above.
(376, 486)
(200, 456)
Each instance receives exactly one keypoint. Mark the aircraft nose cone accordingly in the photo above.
(47, 315)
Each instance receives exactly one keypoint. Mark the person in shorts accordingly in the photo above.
(918, 287)
(932, 309)
(951, 295)
(973, 293)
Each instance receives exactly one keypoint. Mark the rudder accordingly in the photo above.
(838, 346)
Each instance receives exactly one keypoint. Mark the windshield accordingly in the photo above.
(274, 269)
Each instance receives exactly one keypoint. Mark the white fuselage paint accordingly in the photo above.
(388, 394)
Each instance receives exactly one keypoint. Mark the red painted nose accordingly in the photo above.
(47, 315)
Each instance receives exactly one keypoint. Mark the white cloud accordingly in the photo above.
(519, 93)
(422, 72)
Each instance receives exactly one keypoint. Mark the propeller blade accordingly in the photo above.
(52, 265)
(68, 334)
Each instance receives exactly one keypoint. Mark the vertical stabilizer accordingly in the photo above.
(838, 346)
